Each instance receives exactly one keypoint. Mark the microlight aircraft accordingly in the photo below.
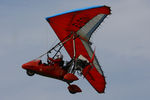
(74, 29)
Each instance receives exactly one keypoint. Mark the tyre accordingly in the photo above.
(30, 73)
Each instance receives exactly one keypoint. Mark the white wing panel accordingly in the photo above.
(87, 30)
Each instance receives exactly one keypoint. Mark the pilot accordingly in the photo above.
(58, 61)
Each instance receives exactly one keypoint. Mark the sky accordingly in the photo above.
(122, 48)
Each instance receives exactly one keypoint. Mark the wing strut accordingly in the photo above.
(74, 47)
(74, 52)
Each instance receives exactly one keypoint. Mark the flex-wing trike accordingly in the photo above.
(55, 67)
(74, 29)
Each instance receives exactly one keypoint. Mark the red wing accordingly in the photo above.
(82, 22)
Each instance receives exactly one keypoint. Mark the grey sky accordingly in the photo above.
(122, 47)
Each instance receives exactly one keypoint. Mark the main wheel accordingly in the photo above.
(30, 72)
(74, 89)
(72, 92)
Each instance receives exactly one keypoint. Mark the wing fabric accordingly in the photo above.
(95, 79)
(82, 22)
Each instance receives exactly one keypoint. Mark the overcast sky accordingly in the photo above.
(122, 46)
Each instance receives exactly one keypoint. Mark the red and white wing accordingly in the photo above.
(82, 22)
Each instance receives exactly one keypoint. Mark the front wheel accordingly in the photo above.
(30, 73)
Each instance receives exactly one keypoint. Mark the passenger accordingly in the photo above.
(58, 61)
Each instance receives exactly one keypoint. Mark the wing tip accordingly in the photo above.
(47, 18)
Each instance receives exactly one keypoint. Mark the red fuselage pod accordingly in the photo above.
(52, 71)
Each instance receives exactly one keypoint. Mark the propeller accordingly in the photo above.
(90, 63)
